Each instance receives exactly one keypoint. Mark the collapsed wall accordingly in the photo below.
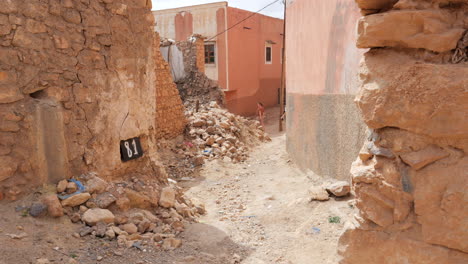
(187, 61)
(411, 177)
(76, 78)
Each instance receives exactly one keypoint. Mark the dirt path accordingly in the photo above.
(258, 212)
(263, 206)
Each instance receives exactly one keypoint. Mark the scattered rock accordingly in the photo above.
(95, 215)
(76, 200)
(38, 209)
(167, 198)
(62, 186)
(110, 234)
(104, 200)
(17, 236)
(318, 193)
(54, 207)
(130, 228)
(198, 160)
(86, 230)
(339, 189)
(83, 209)
(137, 199)
(100, 228)
(96, 185)
(123, 203)
(71, 187)
(143, 226)
(75, 217)
(171, 243)
(121, 219)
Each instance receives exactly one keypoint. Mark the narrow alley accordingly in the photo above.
(233, 132)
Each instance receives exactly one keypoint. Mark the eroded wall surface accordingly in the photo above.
(411, 177)
(76, 78)
(324, 129)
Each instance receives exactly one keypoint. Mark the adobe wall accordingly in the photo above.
(76, 78)
(170, 112)
(411, 177)
(324, 131)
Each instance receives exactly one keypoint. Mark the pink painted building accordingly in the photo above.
(324, 129)
(245, 60)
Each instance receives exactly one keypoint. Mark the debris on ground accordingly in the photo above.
(212, 133)
(323, 192)
(136, 212)
(221, 134)
(339, 189)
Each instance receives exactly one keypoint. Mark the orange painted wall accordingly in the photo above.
(221, 48)
(183, 26)
(250, 79)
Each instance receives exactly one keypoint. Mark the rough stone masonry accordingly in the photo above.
(76, 78)
(411, 177)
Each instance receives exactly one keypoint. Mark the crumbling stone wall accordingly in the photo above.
(76, 78)
(170, 117)
(196, 86)
(410, 179)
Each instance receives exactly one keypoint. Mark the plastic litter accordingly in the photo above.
(249, 216)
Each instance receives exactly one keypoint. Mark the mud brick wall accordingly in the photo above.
(76, 78)
(170, 117)
(411, 177)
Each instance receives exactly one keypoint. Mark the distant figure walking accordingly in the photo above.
(261, 114)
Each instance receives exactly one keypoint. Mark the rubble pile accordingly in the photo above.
(136, 213)
(220, 134)
(212, 132)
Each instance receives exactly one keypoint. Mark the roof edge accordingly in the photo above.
(184, 8)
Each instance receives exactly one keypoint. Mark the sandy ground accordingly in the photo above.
(258, 212)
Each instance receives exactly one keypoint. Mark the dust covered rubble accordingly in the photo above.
(136, 213)
(219, 134)
(335, 189)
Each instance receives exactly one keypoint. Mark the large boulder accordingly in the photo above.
(96, 215)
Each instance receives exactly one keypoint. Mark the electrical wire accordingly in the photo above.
(255, 13)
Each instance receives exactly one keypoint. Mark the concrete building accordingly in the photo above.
(324, 130)
(245, 60)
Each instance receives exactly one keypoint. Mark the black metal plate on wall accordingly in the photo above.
(130, 149)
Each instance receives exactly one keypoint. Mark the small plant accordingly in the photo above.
(73, 255)
(25, 213)
(334, 219)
